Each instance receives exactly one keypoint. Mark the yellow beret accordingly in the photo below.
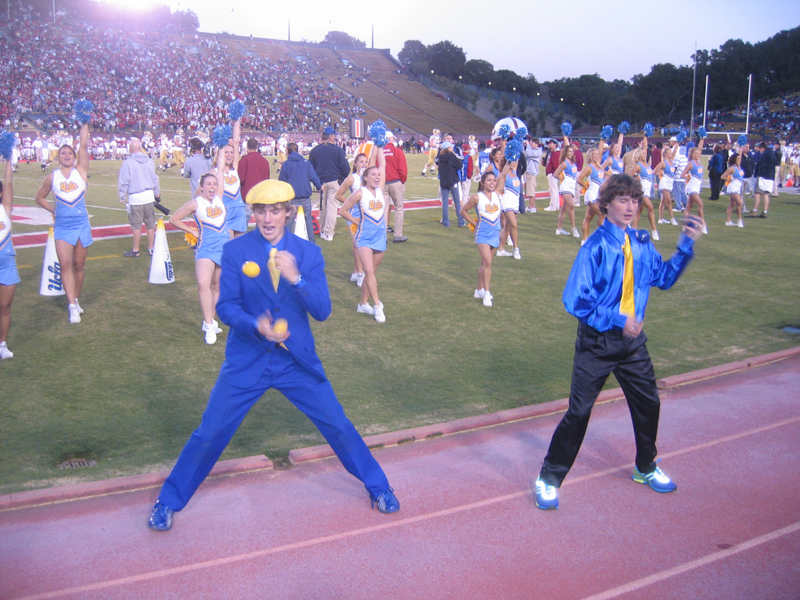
(270, 191)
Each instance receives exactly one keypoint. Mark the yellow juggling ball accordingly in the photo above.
(280, 326)
(251, 269)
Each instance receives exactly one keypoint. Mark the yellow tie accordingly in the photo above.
(626, 304)
(273, 269)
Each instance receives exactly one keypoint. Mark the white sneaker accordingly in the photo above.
(74, 314)
(673, 222)
(531, 210)
(487, 299)
(478, 293)
(549, 208)
(663, 222)
(379, 316)
(730, 224)
(365, 309)
(503, 253)
(78, 304)
(326, 236)
(211, 334)
(217, 330)
(509, 242)
(354, 277)
(517, 254)
(5, 353)
(704, 229)
(575, 233)
(561, 232)
(739, 223)
(583, 242)
(655, 236)
(360, 280)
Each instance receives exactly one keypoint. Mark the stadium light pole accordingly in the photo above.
(749, 91)
(694, 81)
(705, 104)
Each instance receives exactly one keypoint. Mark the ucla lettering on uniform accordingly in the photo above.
(231, 179)
(492, 208)
(68, 186)
(213, 211)
(375, 205)
(2, 226)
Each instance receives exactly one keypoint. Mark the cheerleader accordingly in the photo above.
(353, 183)
(568, 172)
(487, 226)
(613, 164)
(72, 230)
(644, 172)
(9, 276)
(693, 175)
(665, 170)
(210, 215)
(596, 175)
(234, 205)
(370, 237)
(735, 176)
(509, 198)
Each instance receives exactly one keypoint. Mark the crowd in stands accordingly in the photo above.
(771, 119)
(148, 81)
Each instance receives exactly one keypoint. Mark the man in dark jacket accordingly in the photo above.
(299, 173)
(716, 167)
(330, 163)
(765, 177)
(449, 165)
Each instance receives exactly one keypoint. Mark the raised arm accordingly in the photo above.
(83, 152)
(237, 133)
(8, 189)
(382, 166)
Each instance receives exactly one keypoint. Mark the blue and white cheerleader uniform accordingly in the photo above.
(8, 257)
(595, 181)
(667, 177)
(211, 219)
(510, 198)
(695, 178)
(488, 229)
(570, 174)
(737, 182)
(371, 231)
(646, 179)
(234, 205)
(72, 219)
(616, 166)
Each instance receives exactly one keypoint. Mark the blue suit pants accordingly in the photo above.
(227, 407)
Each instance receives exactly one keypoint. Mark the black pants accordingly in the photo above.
(715, 179)
(596, 355)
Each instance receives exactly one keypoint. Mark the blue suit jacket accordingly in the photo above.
(243, 300)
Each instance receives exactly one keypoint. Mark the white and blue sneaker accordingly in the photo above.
(546, 495)
(656, 480)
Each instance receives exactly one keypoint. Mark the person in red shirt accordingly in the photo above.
(253, 168)
(395, 188)
(550, 168)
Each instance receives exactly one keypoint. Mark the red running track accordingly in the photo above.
(468, 527)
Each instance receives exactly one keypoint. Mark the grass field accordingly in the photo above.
(128, 385)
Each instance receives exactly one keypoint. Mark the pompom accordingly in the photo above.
(566, 128)
(742, 140)
(648, 129)
(504, 131)
(624, 127)
(522, 132)
(701, 131)
(513, 149)
(607, 132)
(82, 112)
(236, 110)
(377, 133)
(7, 142)
(222, 135)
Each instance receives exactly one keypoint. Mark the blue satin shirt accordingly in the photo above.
(594, 286)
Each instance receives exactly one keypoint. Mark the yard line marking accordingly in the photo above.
(217, 562)
(695, 564)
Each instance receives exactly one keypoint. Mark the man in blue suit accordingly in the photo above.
(286, 282)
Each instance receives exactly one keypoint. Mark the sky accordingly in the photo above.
(614, 38)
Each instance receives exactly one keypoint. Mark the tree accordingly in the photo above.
(666, 91)
(446, 59)
(414, 55)
(589, 95)
(478, 72)
(340, 38)
(625, 108)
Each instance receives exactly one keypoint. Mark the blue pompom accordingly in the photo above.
(236, 110)
(222, 135)
(742, 140)
(566, 128)
(648, 129)
(522, 132)
(377, 133)
(624, 127)
(7, 142)
(607, 132)
(701, 131)
(82, 112)
(513, 149)
(504, 131)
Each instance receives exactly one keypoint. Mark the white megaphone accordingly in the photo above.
(51, 269)
(161, 265)
(300, 228)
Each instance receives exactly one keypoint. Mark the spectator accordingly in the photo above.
(197, 165)
(138, 190)
(395, 188)
(533, 157)
(299, 173)
(253, 168)
(330, 164)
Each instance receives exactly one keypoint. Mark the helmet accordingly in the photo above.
(513, 124)
(436, 132)
(472, 138)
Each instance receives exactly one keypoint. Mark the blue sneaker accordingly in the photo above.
(656, 480)
(387, 502)
(161, 517)
(546, 495)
